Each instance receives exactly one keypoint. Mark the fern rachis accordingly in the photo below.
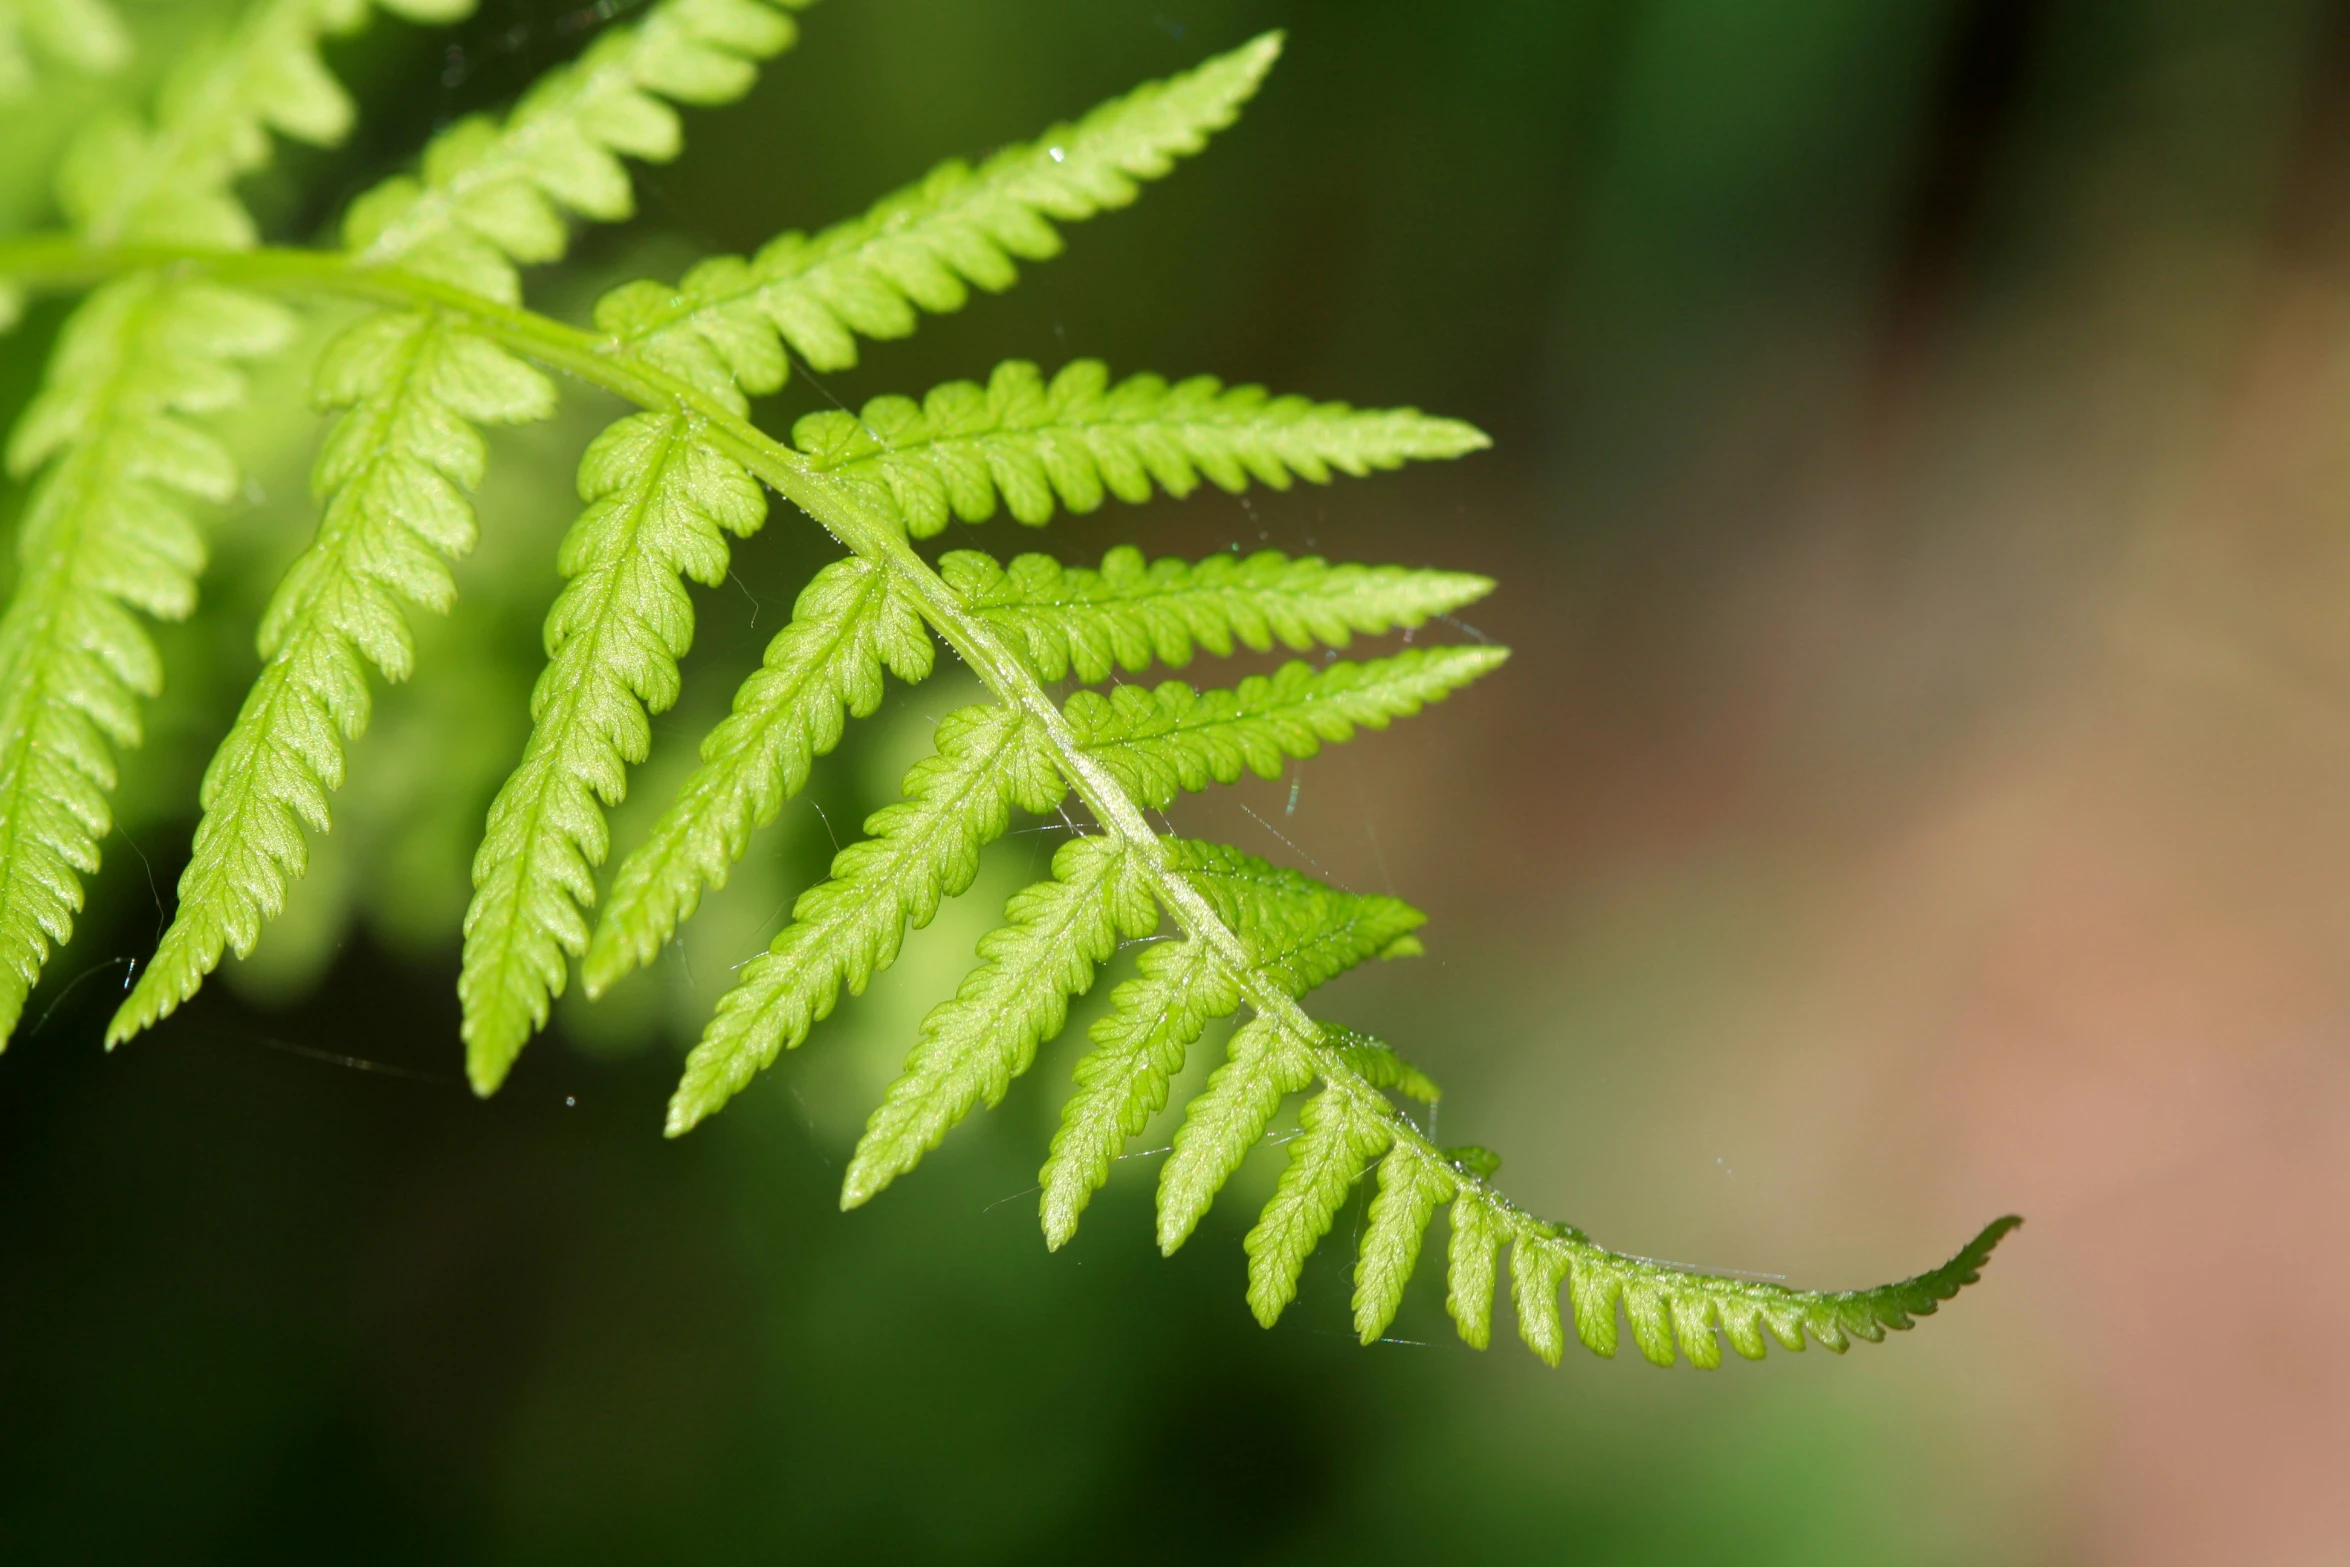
(448, 346)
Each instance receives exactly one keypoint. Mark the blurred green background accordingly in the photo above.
(1917, 794)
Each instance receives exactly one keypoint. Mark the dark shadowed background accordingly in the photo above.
(1921, 790)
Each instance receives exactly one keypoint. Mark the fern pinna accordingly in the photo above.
(182, 294)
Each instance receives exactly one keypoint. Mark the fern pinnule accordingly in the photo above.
(1262, 1066)
(492, 194)
(850, 623)
(1068, 620)
(1335, 1144)
(1374, 1060)
(1138, 1047)
(106, 530)
(83, 33)
(394, 473)
(660, 503)
(1077, 439)
(847, 929)
(1054, 936)
(1410, 1190)
(1171, 738)
(169, 183)
(1294, 928)
(729, 322)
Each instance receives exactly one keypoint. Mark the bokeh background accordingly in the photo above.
(1921, 790)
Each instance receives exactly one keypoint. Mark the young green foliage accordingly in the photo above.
(491, 194)
(726, 327)
(110, 526)
(660, 502)
(1077, 440)
(106, 531)
(1067, 620)
(394, 473)
(1161, 742)
(851, 623)
(971, 1048)
(187, 295)
(847, 929)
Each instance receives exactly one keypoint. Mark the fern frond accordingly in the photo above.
(491, 194)
(393, 473)
(83, 33)
(1065, 618)
(106, 531)
(1054, 935)
(1077, 439)
(660, 503)
(169, 183)
(846, 930)
(849, 625)
(1169, 739)
(925, 247)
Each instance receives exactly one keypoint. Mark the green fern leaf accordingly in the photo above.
(1054, 935)
(660, 503)
(1122, 1081)
(84, 33)
(124, 181)
(847, 929)
(1077, 440)
(107, 530)
(728, 323)
(1164, 741)
(1299, 932)
(1262, 1066)
(1293, 928)
(394, 473)
(135, 354)
(1670, 1308)
(1478, 1226)
(848, 625)
(415, 381)
(1410, 1188)
(1375, 1061)
(1536, 1271)
(1065, 618)
(490, 195)
(1336, 1142)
